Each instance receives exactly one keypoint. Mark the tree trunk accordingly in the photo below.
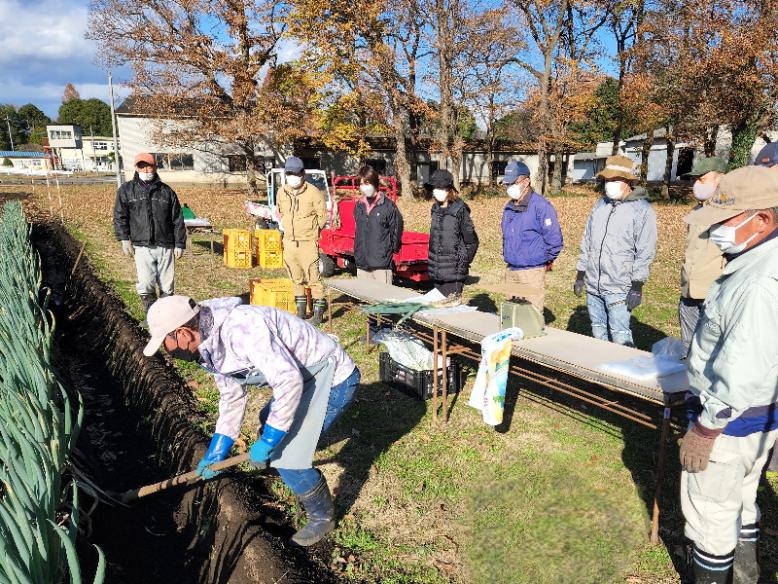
(647, 144)
(668, 164)
(489, 158)
(401, 166)
(556, 179)
(447, 122)
(251, 168)
(743, 136)
(711, 137)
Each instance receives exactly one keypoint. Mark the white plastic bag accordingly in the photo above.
(405, 349)
(670, 348)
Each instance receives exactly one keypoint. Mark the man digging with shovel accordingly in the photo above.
(312, 377)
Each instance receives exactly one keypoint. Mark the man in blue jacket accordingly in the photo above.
(531, 237)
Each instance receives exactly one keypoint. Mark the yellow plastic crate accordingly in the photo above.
(268, 249)
(276, 293)
(237, 248)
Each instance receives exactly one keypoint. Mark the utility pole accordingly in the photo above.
(10, 136)
(115, 140)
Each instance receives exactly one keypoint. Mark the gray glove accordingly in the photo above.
(178, 252)
(696, 446)
(578, 287)
(127, 248)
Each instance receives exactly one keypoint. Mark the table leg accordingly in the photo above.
(444, 369)
(434, 374)
(367, 333)
(660, 474)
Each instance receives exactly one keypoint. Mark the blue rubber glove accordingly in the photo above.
(217, 451)
(260, 451)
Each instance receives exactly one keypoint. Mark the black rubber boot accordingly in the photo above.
(745, 570)
(302, 303)
(320, 509)
(148, 300)
(712, 569)
(319, 306)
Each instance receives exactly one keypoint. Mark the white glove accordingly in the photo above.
(127, 248)
(178, 252)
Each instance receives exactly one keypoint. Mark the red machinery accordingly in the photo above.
(337, 244)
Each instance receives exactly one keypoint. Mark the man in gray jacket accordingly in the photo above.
(617, 249)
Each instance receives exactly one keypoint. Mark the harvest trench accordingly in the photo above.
(141, 426)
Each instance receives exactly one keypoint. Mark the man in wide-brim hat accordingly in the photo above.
(617, 249)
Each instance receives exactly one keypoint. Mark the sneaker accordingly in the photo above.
(450, 301)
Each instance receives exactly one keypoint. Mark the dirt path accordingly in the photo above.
(140, 426)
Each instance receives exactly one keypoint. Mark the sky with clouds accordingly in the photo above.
(42, 47)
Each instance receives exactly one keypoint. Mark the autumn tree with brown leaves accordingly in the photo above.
(70, 93)
(211, 67)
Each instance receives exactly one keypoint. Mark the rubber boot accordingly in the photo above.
(708, 568)
(321, 511)
(302, 303)
(745, 570)
(147, 300)
(319, 306)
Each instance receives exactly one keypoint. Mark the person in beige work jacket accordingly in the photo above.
(703, 261)
(303, 216)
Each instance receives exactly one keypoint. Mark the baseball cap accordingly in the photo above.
(750, 187)
(294, 164)
(768, 155)
(703, 166)
(440, 179)
(513, 170)
(618, 167)
(146, 157)
(165, 316)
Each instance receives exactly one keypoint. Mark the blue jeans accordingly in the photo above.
(303, 480)
(609, 313)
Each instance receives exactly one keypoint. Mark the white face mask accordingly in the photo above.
(515, 192)
(294, 181)
(367, 190)
(724, 237)
(703, 191)
(440, 194)
(146, 176)
(613, 190)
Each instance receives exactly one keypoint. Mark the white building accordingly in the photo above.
(76, 152)
(25, 160)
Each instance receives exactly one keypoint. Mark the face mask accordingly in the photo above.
(367, 190)
(613, 190)
(515, 192)
(724, 237)
(702, 191)
(294, 181)
(440, 194)
(146, 176)
(184, 355)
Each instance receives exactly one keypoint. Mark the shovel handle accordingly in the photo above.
(181, 479)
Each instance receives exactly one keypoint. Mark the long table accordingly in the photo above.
(574, 355)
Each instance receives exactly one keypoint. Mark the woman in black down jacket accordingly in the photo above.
(453, 241)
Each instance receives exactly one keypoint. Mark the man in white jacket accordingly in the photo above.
(245, 345)
(733, 380)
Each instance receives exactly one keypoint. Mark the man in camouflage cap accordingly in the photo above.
(733, 380)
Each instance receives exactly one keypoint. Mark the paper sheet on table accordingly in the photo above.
(450, 310)
(197, 222)
(644, 369)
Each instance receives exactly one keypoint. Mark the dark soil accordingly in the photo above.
(141, 426)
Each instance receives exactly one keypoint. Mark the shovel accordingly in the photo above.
(184, 479)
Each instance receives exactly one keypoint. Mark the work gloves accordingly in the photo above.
(178, 252)
(635, 295)
(696, 446)
(261, 450)
(127, 248)
(578, 287)
(217, 451)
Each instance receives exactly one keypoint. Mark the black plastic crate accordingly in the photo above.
(417, 383)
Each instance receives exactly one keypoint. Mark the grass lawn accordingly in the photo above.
(561, 496)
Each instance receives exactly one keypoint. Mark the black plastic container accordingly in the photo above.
(417, 383)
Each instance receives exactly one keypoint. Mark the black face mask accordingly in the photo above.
(184, 355)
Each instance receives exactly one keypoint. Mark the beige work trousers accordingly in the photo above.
(302, 265)
(720, 500)
(384, 276)
(529, 284)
